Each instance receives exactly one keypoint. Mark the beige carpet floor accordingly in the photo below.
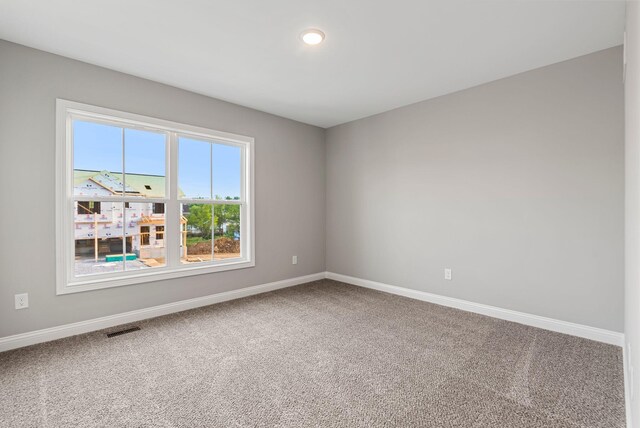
(323, 354)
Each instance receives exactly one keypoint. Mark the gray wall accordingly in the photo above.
(632, 207)
(517, 185)
(290, 187)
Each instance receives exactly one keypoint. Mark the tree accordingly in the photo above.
(200, 218)
(227, 219)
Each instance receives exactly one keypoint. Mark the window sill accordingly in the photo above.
(158, 274)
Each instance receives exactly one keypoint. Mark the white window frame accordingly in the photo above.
(66, 281)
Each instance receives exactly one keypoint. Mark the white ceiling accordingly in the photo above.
(378, 54)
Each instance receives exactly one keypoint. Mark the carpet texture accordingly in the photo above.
(323, 354)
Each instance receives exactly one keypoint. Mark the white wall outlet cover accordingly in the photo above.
(447, 274)
(294, 260)
(22, 301)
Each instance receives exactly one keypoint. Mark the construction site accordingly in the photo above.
(111, 236)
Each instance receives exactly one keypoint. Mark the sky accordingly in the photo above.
(100, 147)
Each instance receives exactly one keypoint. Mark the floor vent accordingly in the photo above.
(121, 332)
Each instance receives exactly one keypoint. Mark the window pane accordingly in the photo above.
(145, 236)
(226, 232)
(194, 169)
(98, 237)
(226, 171)
(145, 163)
(195, 236)
(97, 159)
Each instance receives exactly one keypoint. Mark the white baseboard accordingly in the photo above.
(593, 333)
(53, 333)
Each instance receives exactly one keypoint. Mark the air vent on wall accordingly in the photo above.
(121, 332)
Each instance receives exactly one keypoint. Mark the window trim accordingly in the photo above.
(65, 281)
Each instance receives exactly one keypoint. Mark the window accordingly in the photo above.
(144, 235)
(158, 208)
(141, 199)
(88, 207)
(159, 233)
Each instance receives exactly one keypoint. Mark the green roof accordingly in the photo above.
(150, 186)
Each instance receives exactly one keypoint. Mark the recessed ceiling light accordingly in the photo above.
(312, 36)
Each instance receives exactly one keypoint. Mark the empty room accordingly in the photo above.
(320, 214)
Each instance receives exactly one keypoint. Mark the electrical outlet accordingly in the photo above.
(447, 274)
(22, 301)
(294, 260)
